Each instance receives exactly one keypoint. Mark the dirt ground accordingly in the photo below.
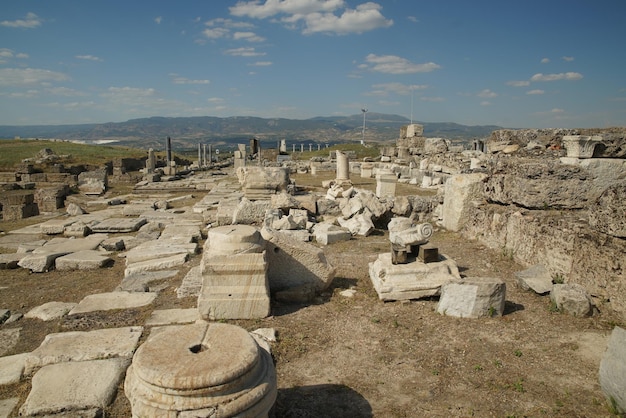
(360, 357)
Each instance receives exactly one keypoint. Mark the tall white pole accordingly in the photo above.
(411, 105)
(364, 110)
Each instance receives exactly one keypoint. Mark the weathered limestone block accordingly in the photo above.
(326, 233)
(234, 287)
(113, 300)
(119, 225)
(209, 370)
(49, 199)
(164, 263)
(70, 388)
(40, 262)
(191, 284)
(93, 182)
(608, 214)
(140, 282)
(386, 184)
(83, 260)
(474, 297)
(11, 368)
(77, 230)
(613, 370)
(572, 298)
(542, 184)
(401, 206)
(460, 191)
(536, 278)
(55, 226)
(50, 310)
(250, 212)
(284, 202)
(83, 346)
(360, 224)
(293, 263)
(413, 280)
(435, 146)
(234, 275)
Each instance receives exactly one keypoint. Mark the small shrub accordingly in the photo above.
(558, 278)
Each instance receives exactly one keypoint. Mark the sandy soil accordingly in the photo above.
(361, 357)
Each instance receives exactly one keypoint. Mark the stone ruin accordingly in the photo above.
(548, 198)
(413, 270)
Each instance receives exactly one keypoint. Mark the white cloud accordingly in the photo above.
(215, 100)
(261, 64)
(6, 54)
(158, 20)
(485, 103)
(291, 7)
(518, 83)
(89, 58)
(29, 22)
(64, 91)
(392, 64)
(28, 76)
(28, 94)
(433, 99)
(557, 110)
(398, 88)
(316, 15)
(412, 19)
(545, 60)
(536, 91)
(248, 36)
(215, 33)
(244, 52)
(568, 59)
(555, 77)
(364, 18)
(183, 80)
(228, 23)
(487, 94)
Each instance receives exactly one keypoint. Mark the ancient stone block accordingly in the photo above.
(572, 299)
(474, 297)
(413, 280)
(613, 370)
(293, 263)
(460, 191)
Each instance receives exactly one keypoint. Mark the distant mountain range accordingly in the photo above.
(187, 132)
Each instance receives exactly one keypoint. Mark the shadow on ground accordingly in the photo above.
(321, 401)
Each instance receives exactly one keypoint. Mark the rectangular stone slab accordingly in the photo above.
(74, 386)
(84, 346)
(113, 300)
(119, 225)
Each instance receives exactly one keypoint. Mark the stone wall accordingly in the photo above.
(571, 218)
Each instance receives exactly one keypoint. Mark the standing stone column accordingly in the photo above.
(150, 162)
(168, 150)
(343, 166)
(210, 154)
(234, 275)
(204, 160)
(386, 184)
(199, 155)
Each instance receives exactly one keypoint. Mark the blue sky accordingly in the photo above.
(530, 63)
